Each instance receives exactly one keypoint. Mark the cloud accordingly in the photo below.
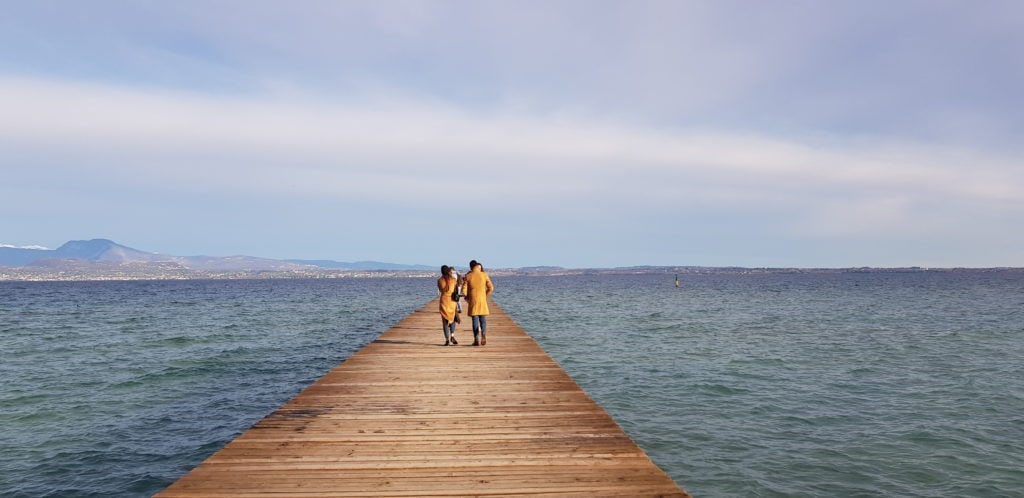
(918, 69)
(402, 148)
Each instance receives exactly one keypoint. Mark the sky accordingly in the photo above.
(519, 133)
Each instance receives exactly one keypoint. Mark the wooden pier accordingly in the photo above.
(406, 416)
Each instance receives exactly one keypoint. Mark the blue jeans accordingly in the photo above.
(449, 329)
(480, 325)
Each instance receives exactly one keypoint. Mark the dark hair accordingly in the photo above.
(472, 264)
(444, 270)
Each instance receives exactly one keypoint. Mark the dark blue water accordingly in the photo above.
(856, 384)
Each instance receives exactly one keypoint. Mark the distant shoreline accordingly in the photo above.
(151, 271)
(104, 259)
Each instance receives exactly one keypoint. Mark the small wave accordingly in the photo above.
(720, 389)
(181, 340)
(765, 362)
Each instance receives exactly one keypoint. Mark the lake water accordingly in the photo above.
(849, 384)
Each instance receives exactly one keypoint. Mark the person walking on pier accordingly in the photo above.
(478, 288)
(447, 285)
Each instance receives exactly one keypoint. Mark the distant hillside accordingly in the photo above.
(17, 256)
(358, 265)
(109, 252)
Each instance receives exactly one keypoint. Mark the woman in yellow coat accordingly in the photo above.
(478, 289)
(447, 285)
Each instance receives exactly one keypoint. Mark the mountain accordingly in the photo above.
(109, 252)
(104, 250)
(97, 250)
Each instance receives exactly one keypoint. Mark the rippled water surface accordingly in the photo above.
(737, 385)
(803, 384)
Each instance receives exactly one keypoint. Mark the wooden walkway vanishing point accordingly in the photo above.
(406, 416)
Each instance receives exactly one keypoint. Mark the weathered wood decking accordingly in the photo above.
(406, 416)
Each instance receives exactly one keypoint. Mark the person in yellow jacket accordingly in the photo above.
(447, 285)
(478, 288)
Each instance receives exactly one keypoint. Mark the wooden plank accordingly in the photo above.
(406, 416)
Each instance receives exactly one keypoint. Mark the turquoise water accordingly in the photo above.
(854, 384)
